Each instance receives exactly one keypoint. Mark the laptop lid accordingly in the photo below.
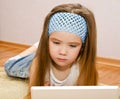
(74, 92)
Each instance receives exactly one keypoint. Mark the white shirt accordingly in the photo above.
(69, 81)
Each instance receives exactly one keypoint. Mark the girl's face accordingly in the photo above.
(64, 48)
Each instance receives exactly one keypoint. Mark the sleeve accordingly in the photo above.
(19, 66)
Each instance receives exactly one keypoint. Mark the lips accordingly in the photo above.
(61, 59)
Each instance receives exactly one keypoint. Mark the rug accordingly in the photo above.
(15, 88)
(12, 88)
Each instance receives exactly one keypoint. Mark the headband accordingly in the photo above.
(68, 22)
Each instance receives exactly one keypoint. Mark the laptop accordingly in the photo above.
(75, 92)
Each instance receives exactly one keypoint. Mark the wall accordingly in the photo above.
(21, 22)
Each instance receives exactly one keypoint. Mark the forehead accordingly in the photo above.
(65, 36)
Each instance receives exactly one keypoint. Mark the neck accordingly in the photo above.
(60, 68)
(60, 74)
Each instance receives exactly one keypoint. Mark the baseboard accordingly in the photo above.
(13, 44)
(100, 60)
(108, 61)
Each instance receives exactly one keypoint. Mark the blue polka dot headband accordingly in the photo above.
(68, 22)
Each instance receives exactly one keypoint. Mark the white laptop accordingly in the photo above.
(75, 92)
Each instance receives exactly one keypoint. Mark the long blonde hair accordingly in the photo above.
(86, 59)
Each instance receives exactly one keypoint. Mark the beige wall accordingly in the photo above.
(21, 21)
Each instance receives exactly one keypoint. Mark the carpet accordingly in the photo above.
(15, 88)
(12, 88)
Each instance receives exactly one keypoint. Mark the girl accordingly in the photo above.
(66, 54)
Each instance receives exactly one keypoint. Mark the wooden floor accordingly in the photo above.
(107, 74)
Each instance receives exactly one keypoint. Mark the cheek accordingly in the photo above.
(52, 49)
(74, 53)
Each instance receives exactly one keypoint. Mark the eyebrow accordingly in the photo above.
(75, 42)
(52, 38)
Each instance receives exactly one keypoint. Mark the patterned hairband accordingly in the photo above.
(68, 22)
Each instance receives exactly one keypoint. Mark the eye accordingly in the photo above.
(55, 42)
(73, 46)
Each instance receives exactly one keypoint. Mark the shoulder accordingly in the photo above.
(75, 69)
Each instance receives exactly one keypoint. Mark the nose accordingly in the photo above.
(63, 50)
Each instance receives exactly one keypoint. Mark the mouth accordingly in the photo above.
(61, 59)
